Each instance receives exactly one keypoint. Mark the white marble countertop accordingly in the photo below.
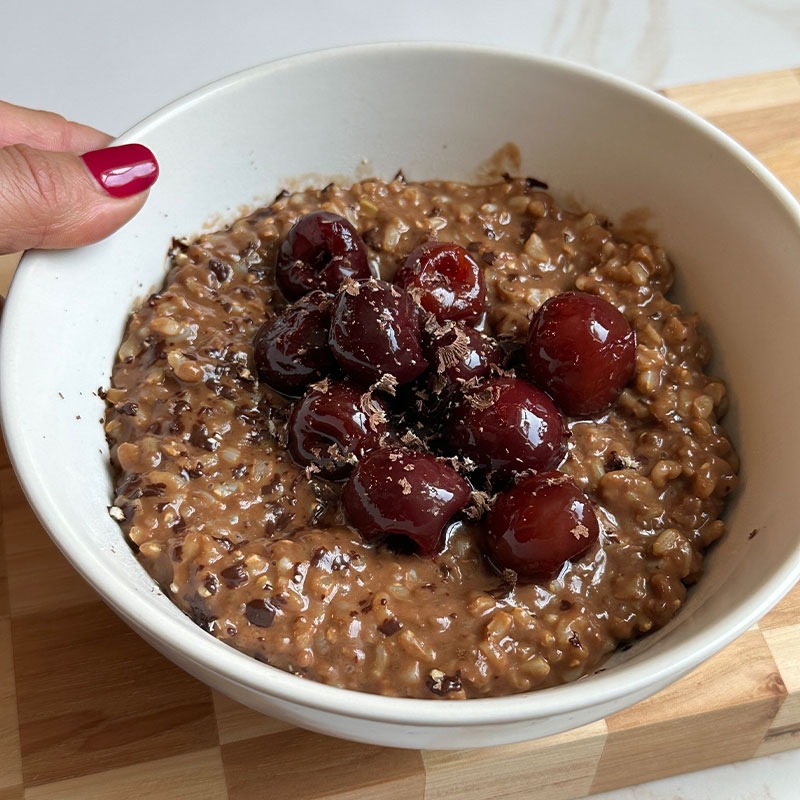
(108, 64)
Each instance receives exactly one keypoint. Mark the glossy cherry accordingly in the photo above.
(582, 351)
(320, 251)
(333, 425)
(458, 353)
(544, 521)
(397, 491)
(507, 425)
(375, 330)
(446, 280)
(292, 350)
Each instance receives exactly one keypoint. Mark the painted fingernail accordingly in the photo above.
(123, 171)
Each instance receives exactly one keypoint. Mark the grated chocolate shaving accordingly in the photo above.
(376, 416)
(483, 399)
(481, 503)
(411, 440)
(351, 287)
(450, 354)
(580, 531)
(386, 383)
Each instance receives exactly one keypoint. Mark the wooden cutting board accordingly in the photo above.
(88, 710)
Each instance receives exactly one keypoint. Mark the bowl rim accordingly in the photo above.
(644, 675)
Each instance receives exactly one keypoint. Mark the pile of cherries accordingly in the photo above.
(351, 347)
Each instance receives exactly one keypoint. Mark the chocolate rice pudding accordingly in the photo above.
(257, 550)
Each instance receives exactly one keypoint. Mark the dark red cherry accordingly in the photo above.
(292, 350)
(544, 521)
(507, 425)
(333, 425)
(582, 351)
(320, 251)
(446, 280)
(458, 353)
(375, 330)
(397, 491)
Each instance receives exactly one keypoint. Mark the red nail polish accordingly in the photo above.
(123, 171)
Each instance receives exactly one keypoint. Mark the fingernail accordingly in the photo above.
(123, 171)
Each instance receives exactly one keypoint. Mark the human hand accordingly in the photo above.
(51, 196)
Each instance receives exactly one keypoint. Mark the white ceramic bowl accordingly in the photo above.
(435, 111)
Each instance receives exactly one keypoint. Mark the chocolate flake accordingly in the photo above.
(366, 604)
(390, 626)
(226, 543)
(221, 271)
(386, 383)
(441, 684)
(329, 560)
(351, 287)
(211, 583)
(483, 399)
(179, 526)
(234, 576)
(412, 441)
(260, 612)
(376, 416)
(199, 438)
(534, 183)
(753, 533)
(128, 408)
(481, 503)
(509, 582)
(191, 473)
(488, 257)
(527, 228)
(452, 353)
(200, 613)
(575, 641)
(616, 461)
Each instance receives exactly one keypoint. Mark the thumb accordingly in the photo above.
(53, 199)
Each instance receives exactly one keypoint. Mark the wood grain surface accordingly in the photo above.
(88, 710)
